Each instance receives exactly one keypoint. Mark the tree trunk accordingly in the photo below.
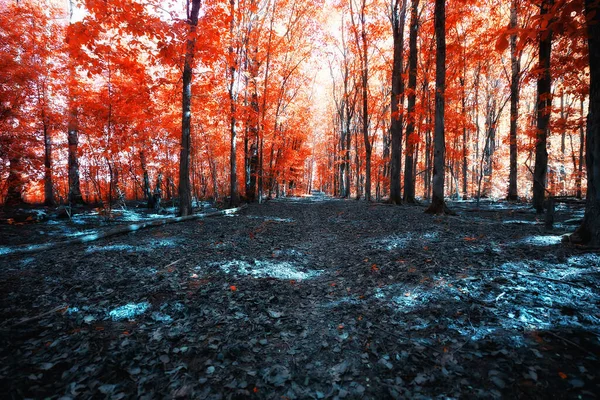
(347, 179)
(515, 67)
(157, 194)
(75, 196)
(185, 194)
(253, 158)
(589, 231)
(146, 188)
(409, 176)
(234, 196)
(365, 116)
(581, 148)
(544, 102)
(438, 206)
(398, 19)
(48, 186)
(465, 143)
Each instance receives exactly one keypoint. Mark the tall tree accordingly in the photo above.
(515, 67)
(544, 107)
(361, 44)
(74, 191)
(409, 175)
(438, 205)
(398, 17)
(234, 196)
(589, 230)
(185, 193)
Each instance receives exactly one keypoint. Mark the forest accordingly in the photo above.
(299, 199)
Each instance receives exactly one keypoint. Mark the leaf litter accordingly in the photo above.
(325, 307)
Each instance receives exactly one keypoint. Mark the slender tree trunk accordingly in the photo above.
(48, 186)
(253, 157)
(544, 102)
(75, 196)
(365, 116)
(147, 188)
(465, 141)
(398, 20)
(438, 206)
(428, 165)
(515, 67)
(589, 230)
(409, 164)
(234, 196)
(185, 195)
(581, 148)
(346, 194)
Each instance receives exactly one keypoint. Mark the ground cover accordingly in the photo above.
(304, 298)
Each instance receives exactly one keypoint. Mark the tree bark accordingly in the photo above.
(234, 196)
(438, 206)
(515, 67)
(185, 194)
(580, 158)
(589, 230)
(75, 196)
(544, 102)
(398, 20)
(253, 158)
(48, 186)
(409, 176)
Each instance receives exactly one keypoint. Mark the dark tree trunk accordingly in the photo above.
(75, 196)
(581, 148)
(589, 231)
(48, 186)
(365, 117)
(253, 157)
(146, 178)
(428, 159)
(398, 19)
(157, 194)
(347, 149)
(185, 193)
(544, 105)
(465, 141)
(234, 196)
(438, 206)
(515, 67)
(409, 164)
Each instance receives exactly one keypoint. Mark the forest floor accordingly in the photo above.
(304, 298)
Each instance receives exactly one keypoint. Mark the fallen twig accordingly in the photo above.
(117, 231)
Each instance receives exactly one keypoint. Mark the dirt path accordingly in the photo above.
(308, 298)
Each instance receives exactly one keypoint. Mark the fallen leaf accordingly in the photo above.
(562, 375)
